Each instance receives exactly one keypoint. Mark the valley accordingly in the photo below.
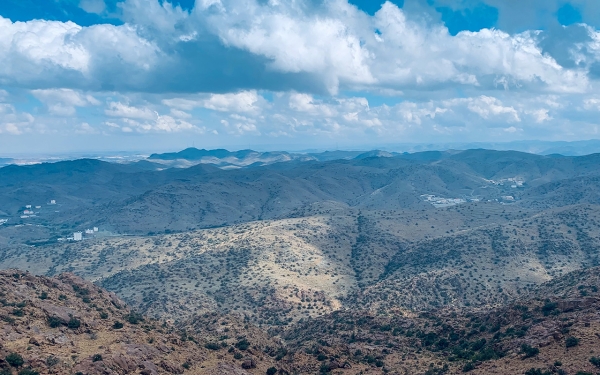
(410, 241)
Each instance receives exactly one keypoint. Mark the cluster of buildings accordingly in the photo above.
(514, 182)
(78, 236)
(3, 221)
(29, 210)
(439, 202)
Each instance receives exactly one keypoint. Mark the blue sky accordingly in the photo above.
(95, 75)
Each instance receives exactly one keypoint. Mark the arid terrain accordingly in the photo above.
(427, 263)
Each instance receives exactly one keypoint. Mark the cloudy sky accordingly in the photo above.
(100, 75)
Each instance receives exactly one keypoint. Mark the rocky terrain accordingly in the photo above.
(427, 263)
(66, 325)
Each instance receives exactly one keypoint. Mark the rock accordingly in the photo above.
(34, 341)
(149, 368)
(125, 362)
(249, 364)
(171, 367)
(64, 314)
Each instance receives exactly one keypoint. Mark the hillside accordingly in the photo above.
(67, 325)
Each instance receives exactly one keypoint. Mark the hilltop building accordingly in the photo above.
(78, 236)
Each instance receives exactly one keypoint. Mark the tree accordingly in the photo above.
(271, 371)
(15, 360)
(571, 342)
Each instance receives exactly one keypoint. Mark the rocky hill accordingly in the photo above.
(66, 325)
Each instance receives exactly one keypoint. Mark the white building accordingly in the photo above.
(52, 201)
(95, 229)
(77, 236)
(89, 231)
(38, 207)
(28, 206)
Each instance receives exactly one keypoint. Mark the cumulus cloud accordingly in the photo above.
(304, 69)
(285, 44)
(63, 102)
(13, 122)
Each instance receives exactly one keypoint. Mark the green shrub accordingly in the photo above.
(14, 359)
(243, 344)
(571, 342)
(212, 346)
(52, 361)
(117, 325)
(134, 318)
(97, 358)
(468, 367)
(74, 323)
(28, 371)
(529, 351)
(271, 371)
(595, 361)
(54, 322)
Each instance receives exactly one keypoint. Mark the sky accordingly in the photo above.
(151, 75)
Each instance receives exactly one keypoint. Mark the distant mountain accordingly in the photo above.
(5, 161)
(223, 158)
(376, 154)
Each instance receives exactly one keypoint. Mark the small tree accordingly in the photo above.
(14, 359)
(571, 342)
(529, 351)
(271, 371)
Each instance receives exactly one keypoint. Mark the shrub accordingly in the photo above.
(74, 323)
(52, 361)
(97, 358)
(44, 295)
(117, 325)
(468, 367)
(271, 371)
(571, 342)
(529, 351)
(14, 359)
(5, 371)
(238, 355)
(243, 344)
(54, 322)
(134, 318)
(595, 361)
(28, 371)
(212, 346)
(186, 365)
(103, 315)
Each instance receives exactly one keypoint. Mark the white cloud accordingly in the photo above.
(245, 101)
(14, 122)
(486, 107)
(118, 109)
(62, 102)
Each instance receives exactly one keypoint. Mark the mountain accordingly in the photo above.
(67, 325)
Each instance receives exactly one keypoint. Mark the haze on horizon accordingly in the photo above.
(107, 75)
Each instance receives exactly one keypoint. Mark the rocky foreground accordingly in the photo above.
(65, 325)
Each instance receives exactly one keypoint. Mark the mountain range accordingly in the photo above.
(436, 262)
